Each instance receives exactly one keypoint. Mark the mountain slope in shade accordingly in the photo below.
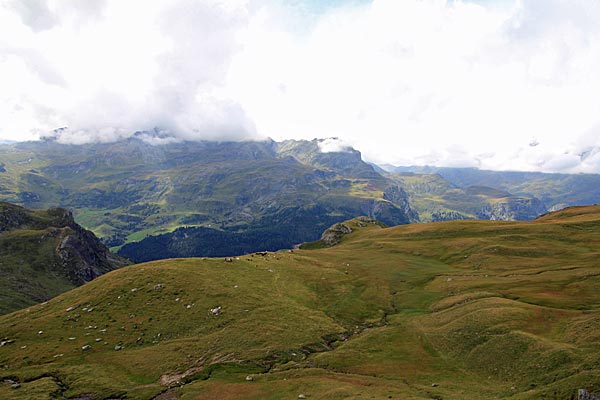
(45, 253)
(452, 310)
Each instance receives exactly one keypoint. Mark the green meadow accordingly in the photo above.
(448, 310)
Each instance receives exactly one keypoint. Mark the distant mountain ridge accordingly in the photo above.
(262, 195)
(554, 190)
(435, 198)
(217, 198)
(45, 253)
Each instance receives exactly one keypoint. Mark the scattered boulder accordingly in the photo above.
(118, 348)
(249, 378)
(583, 394)
(216, 310)
(159, 286)
(301, 396)
(228, 259)
(86, 347)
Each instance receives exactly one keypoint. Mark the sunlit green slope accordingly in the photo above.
(449, 310)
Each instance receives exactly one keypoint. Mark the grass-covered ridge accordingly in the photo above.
(452, 310)
(44, 253)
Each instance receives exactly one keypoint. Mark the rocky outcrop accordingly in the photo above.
(52, 251)
(78, 252)
(583, 394)
(513, 209)
(84, 257)
(334, 234)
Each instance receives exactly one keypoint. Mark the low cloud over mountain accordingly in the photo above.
(450, 83)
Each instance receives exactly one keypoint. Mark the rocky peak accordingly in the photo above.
(321, 153)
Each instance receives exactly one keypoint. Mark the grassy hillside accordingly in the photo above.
(44, 253)
(449, 310)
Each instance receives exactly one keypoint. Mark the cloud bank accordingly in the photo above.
(507, 84)
(109, 68)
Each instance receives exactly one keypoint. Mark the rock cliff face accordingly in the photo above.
(43, 253)
(513, 209)
(84, 256)
(384, 211)
(399, 197)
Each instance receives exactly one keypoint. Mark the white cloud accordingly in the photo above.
(108, 69)
(454, 83)
(431, 82)
(333, 145)
(35, 14)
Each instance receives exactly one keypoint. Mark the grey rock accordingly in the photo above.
(583, 394)
(334, 234)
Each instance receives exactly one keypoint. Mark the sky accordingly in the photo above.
(498, 84)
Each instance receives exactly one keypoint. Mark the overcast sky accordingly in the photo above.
(506, 84)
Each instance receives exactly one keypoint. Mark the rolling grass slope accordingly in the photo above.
(449, 310)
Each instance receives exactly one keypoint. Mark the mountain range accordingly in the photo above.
(181, 199)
